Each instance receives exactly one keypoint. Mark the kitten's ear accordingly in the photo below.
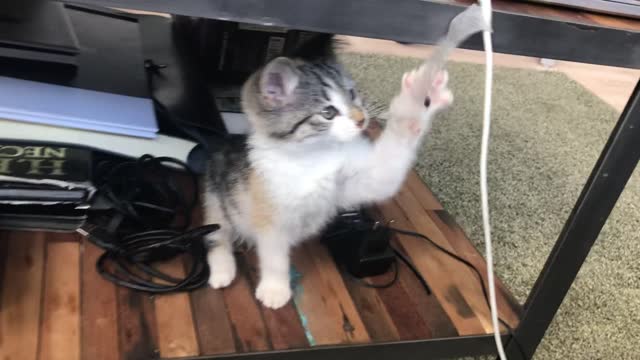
(278, 81)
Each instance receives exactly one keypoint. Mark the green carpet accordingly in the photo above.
(547, 133)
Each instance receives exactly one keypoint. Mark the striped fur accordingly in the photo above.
(305, 159)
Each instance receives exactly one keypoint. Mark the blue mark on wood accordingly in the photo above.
(295, 277)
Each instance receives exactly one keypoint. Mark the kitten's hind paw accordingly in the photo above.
(273, 294)
(223, 268)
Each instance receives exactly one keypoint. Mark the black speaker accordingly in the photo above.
(19, 10)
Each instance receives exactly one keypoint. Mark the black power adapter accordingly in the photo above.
(360, 244)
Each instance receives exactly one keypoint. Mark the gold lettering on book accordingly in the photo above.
(32, 160)
(5, 166)
(36, 166)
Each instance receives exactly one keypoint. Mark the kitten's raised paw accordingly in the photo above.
(432, 93)
(223, 268)
(273, 294)
(423, 94)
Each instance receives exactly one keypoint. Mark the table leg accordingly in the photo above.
(599, 195)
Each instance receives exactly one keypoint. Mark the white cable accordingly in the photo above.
(484, 192)
(470, 21)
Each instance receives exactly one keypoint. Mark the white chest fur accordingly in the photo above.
(303, 183)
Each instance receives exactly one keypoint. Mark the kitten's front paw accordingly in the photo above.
(273, 294)
(430, 93)
(223, 268)
(422, 96)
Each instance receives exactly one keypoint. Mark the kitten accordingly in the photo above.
(306, 158)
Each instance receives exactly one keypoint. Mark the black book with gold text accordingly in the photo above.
(32, 173)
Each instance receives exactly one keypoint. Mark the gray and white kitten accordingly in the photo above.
(306, 158)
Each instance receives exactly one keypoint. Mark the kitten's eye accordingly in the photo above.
(329, 112)
(352, 92)
(427, 101)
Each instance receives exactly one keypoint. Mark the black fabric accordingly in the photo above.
(110, 58)
(45, 25)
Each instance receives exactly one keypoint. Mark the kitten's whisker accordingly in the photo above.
(375, 108)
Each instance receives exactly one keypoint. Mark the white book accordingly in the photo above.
(128, 146)
(67, 106)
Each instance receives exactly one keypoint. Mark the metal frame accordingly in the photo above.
(515, 34)
(405, 350)
(610, 174)
(414, 21)
(617, 162)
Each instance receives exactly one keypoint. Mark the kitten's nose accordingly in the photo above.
(357, 115)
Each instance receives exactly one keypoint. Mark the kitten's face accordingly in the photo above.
(300, 101)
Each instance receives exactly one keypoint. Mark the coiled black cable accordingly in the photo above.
(151, 216)
(128, 262)
(153, 208)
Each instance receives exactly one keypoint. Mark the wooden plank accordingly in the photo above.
(249, 330)
(435, 266)
(212, 321)
(60, 328)
(99, 310)
(372, 310)
(421, 192)
(420, 300)
(323, 302)
(613, 21)
(401, 309)
(284, 325)
(564, 14)
(428, 306)
(22, 291)
(460, 244)
(174, 318)
(468, 288)
(4, 246)
(424, 304)
(508, 306)
(138, 338)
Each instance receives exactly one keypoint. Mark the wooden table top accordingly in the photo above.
(54, 305)
(562, 14)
